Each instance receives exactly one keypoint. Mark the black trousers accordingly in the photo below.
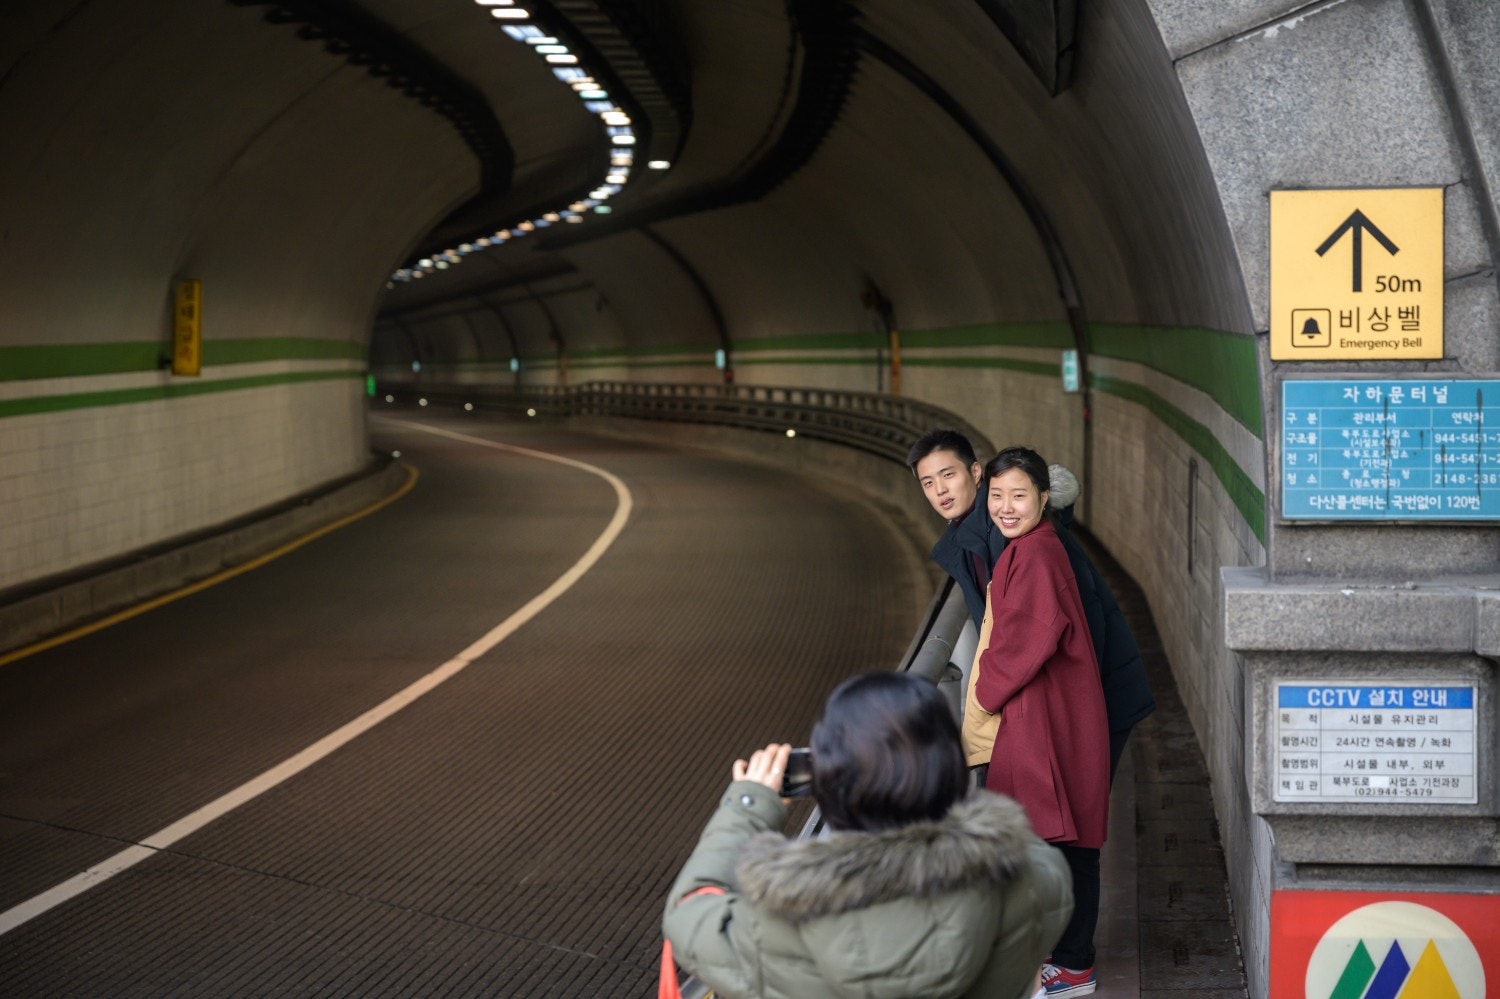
(1075, 948)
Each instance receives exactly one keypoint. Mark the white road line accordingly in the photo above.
(161, 840)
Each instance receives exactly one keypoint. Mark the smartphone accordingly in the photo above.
(797, 781)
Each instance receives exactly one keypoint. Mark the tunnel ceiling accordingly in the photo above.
(973, 162)
(997, 161)
(739, 98)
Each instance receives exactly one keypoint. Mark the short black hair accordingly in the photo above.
(940, 439)
(886, 753)
(1024, 458)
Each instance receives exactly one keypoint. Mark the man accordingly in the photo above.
(951, 478)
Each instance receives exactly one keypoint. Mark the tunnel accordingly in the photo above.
(231, 230)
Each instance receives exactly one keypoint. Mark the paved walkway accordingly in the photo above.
(1165, 929)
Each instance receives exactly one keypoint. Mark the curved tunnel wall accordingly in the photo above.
(1125, 216)
(149, 143)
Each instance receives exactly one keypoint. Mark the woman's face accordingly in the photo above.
(1015, 503)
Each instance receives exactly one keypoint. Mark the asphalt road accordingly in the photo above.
(512, 826)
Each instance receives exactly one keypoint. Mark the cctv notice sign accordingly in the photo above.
(1357, 274)
(1390, 741)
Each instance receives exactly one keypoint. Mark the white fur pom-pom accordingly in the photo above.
(1064, 487)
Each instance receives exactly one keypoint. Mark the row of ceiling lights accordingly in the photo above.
(617, 125)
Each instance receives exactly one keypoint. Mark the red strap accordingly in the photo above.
(705, 890)
(666, 984)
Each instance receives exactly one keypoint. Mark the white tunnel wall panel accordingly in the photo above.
(84, 485)
(1010, 407)
(171, 140)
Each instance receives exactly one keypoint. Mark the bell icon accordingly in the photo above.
(1310, 327)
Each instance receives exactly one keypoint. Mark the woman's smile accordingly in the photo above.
(1015, 503)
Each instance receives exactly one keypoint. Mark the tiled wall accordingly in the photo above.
(92, 468)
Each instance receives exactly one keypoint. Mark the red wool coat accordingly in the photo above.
(1039, 672)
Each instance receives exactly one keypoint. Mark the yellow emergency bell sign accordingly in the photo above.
(1357, 274)
(187, 328)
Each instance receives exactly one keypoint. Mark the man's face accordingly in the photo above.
(947, 484)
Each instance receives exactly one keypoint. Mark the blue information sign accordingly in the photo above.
(1409, 449)
(1336, 695)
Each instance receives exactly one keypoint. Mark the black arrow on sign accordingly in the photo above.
(1358, 224)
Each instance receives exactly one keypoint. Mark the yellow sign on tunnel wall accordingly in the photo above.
(1357, 274)
(187, 328)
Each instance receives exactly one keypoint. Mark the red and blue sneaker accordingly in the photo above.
(1057, 981)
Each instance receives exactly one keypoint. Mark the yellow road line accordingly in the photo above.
(104, 622)
(163, 839)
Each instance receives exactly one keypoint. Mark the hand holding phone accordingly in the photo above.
(796, 782)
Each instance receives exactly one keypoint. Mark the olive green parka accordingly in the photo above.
(965, 906)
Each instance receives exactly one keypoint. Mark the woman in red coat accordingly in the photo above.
(1040, 675)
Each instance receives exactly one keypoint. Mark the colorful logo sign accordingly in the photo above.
(1364, 945)
(1395, 950)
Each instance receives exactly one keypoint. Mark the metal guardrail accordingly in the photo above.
(942, 648)
(879, 424)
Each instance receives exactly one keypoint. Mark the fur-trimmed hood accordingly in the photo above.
(980, 841)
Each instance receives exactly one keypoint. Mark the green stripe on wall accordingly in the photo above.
(174, 390)
(1243, 492)
(77, 360)
(1223, 365)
